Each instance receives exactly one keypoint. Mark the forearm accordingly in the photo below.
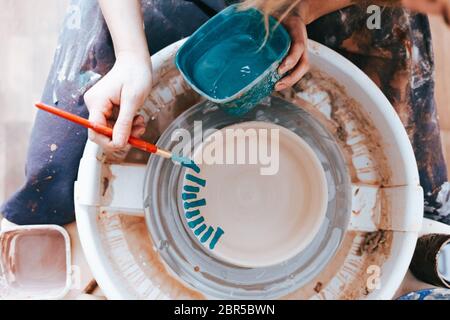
(311, 10)
(125, 23)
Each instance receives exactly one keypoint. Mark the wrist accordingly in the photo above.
(311, 10)
(141, 57)
(304, 12)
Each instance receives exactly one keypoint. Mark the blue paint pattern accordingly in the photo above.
(194, 204)
(196, 180)
(191, 214)
(194, 223)
(195, 220)
(206, 235)
(216, 238)
(189, 188)
(200, 229)
(188, 196)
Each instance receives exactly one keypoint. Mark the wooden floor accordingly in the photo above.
(28, 34)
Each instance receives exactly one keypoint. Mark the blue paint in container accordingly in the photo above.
(230, 61)
(230, 65)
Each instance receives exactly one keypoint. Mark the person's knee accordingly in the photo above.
(46, 197)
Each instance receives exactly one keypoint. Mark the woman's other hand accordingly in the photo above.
(123, 89)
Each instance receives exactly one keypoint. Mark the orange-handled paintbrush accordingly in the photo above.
(135, 142)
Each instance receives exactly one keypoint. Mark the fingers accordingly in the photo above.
(130, 102)
(102, 111)
(299, 40)
(138, 128)
(295, 53)
(296, 62)
(99, 109)
(296, 74)
(105, 142)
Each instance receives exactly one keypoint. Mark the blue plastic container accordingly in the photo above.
(229, 61)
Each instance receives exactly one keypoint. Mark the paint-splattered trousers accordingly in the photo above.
(398, 57)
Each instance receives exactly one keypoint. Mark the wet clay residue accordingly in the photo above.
(356, 135)
(106, 183)
(318, 287)
(373, 242)
(343, 116)
(131, 252)
(345, 276)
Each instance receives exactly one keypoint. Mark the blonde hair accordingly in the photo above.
(278, 8)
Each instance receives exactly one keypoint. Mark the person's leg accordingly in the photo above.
(84, 54)
(399, 59)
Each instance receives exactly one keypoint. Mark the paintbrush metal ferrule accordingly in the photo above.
(163, 153)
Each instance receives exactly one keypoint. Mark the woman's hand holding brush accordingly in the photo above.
(122, 91)
(117, 97)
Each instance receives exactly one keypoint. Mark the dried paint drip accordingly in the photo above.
(192, 205)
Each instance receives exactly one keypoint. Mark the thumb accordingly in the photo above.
(129, 105)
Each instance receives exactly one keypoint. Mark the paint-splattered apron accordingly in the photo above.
(398, 58)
